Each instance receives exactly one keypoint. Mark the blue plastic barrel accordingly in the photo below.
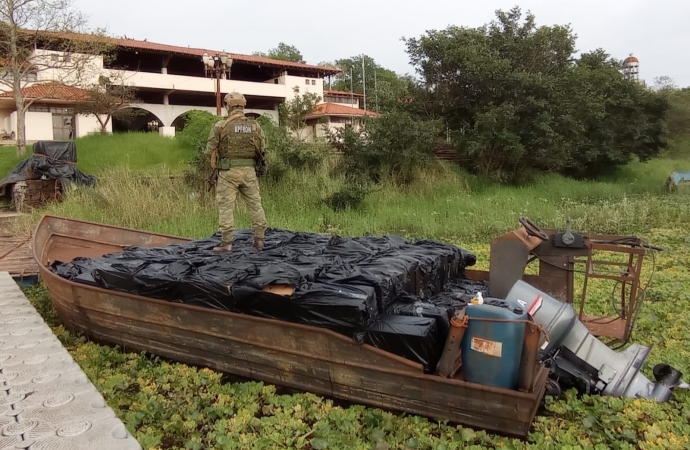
(491, 351)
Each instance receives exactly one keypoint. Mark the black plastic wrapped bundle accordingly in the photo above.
(346, 309)
(415, 307)
(389, 277)
(457, 294)
(414, 338)
(339, 283)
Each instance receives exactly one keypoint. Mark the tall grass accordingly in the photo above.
(9, 159)
(444, 204)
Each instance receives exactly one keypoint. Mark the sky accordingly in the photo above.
(655, 31)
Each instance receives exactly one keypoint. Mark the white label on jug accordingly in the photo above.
(492, 348)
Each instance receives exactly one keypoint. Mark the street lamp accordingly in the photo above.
(216, 65)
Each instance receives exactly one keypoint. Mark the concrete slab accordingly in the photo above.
(46, 400)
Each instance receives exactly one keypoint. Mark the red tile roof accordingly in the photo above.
(191, 51)
(51, 91)
(342, 93)
(334, 109)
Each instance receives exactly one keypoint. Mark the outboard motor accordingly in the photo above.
(586, 359)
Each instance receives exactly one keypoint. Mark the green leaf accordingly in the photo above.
(589, 421)
(629, 435)
(319, 444)
(381, 445)
(377, 434)
(467, 434)
(413, 443)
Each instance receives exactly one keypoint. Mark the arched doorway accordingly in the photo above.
(181, 121)
(133, 119)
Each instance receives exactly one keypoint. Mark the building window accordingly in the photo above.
(313, 82)
(39, 108)
(51, 109)
(306, 81)
(54, 58)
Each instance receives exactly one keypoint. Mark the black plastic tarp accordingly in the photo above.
(51, 160)
(339, 283)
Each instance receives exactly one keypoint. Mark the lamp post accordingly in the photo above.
(216, 65)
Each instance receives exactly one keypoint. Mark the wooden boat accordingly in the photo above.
(286, 354)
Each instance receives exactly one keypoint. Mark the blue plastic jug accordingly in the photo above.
(491, 351)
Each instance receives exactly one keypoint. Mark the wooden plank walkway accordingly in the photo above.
(16, 256)
(46, 400)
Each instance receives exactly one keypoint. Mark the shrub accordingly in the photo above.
(350, 196)
(285, 152)
(197, 128)
(392, 147)
(195, 135)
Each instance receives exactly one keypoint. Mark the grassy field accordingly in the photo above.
(444, 204)
(167, 405)
(99, 154)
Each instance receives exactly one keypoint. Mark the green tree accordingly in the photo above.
(678, 118)
(20, 65)
(384, 88)
(283, 52)
(108, 98)
(609, 120)
(293, 113)
(516, 100)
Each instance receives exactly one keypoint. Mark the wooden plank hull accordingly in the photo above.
(297, 356)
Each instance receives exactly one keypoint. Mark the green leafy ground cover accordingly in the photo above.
(167, 405)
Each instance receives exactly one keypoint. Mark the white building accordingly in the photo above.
(169, 81)
(631, 69)
(338, 110)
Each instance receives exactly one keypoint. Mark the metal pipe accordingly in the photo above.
(218, 92)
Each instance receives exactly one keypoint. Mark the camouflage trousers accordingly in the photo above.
(242, 181)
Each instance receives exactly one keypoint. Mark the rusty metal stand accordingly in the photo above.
(617, 327)
(512, 252)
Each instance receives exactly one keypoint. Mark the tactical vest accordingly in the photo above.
(237, 139)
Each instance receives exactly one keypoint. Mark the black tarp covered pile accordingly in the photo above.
(348, 285)
(51, 160)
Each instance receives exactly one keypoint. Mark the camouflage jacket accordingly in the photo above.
(213, 142)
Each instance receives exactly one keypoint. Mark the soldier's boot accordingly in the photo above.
(223, 249)
(258, 244)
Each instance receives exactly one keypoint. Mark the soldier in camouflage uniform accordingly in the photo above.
(234, 145)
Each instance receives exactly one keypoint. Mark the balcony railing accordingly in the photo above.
(199, 84)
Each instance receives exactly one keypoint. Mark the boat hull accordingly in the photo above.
(286, 354)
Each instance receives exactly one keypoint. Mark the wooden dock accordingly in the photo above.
(16, 256)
